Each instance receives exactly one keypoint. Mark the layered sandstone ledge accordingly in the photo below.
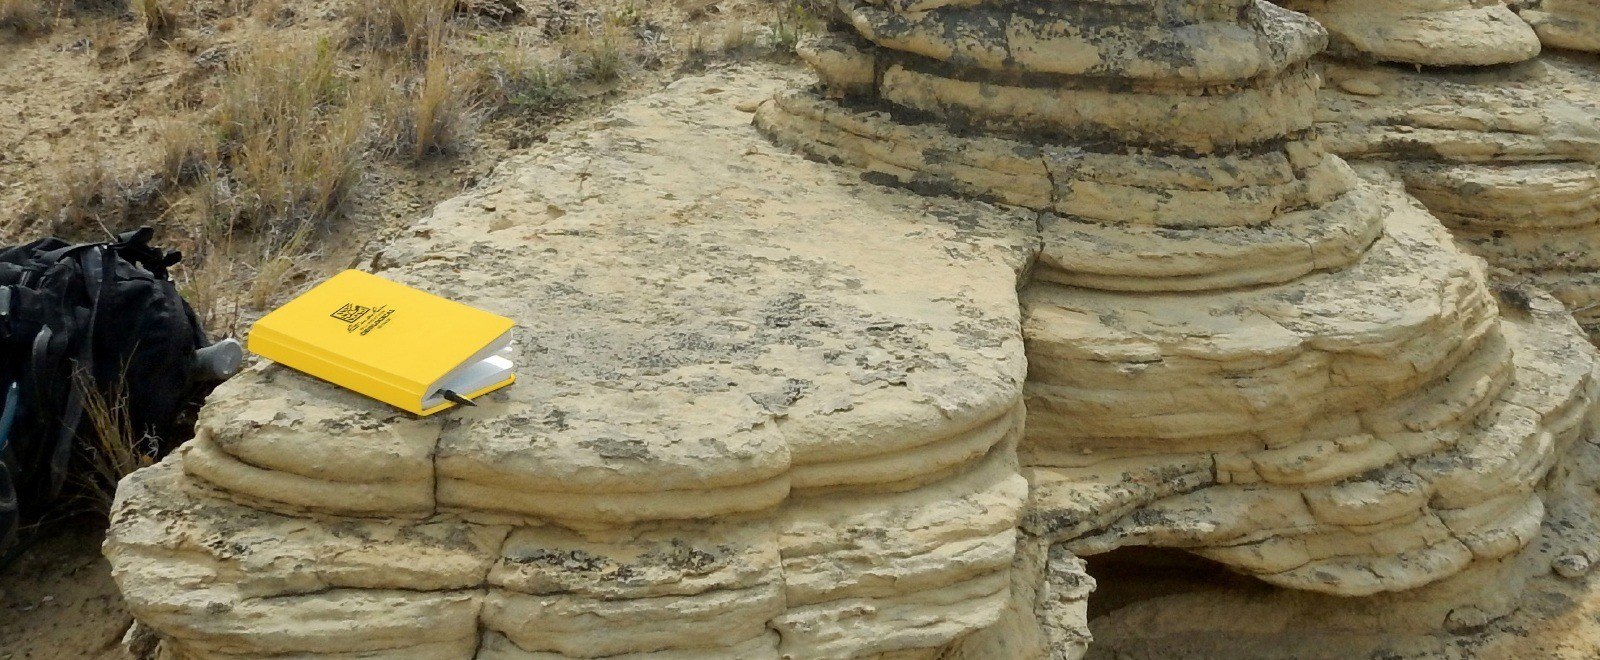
(763, 410)
(1427, 32)
(1508, 157)
(1503, 146)
(1237, 346)
(1568, 24)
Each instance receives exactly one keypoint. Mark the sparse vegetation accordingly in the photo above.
(160, 16)
(114, 451)
(596, 52)
(32, 17)
(270, 148)
(25, 16)
(520, 82)
(794, 20)
(409, 27)
(289, 137)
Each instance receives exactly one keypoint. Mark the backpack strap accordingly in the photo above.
(97, 277)
(10, 505)
(64, 252)
(8, 417)
(134, 246)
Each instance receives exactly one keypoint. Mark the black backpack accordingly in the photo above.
(84, 320)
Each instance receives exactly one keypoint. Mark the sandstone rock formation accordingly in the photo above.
(1236, 345)
(1429, 32)
(1504, 148)
(1570, 24)
(770, 409)
(764, 411)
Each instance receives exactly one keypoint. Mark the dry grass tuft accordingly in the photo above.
(210, 287)
(113, 451)
(160, 16)
(78, 196)
(26, 17)
(289, 140)
(274, 267)
(423, 115)
(186, 151)
(412, 26)
(597, 53)
(442, 113)
(517, 81)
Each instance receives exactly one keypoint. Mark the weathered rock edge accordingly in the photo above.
(1504, 150)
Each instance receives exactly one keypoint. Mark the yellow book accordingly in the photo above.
(409, 349)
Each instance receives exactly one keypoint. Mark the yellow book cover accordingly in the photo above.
(404, 347)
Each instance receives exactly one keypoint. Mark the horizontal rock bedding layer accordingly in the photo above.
(1569, 24)
(763, 411)
(1277, 365)
(1426, 32)
(1163, 43)
(1130, 223)
(1332, 445)
(1473, 614)
(1253, 367)
(1508, 157)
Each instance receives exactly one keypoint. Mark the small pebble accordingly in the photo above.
(1361, 86)
(1466, 619)
(748, 106)
(1571, 566)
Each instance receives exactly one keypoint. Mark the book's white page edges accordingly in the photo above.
(481, 374)
(471, 371)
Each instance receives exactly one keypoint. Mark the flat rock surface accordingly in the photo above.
(698, 313)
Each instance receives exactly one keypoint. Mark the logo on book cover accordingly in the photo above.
(351, 312)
